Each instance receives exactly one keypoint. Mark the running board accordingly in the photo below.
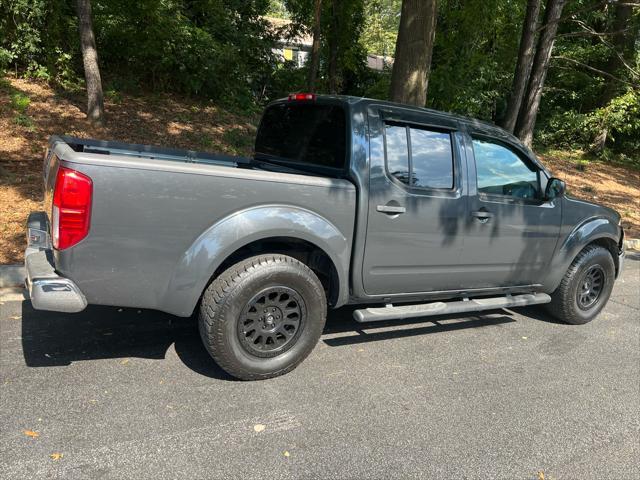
(442, 308)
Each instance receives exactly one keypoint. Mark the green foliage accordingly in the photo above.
(286, 78)
(238, 140)
(278, 9)
(33, 34)
(342, 24)
(380, 30)
(5, 58)
(24, 121)
(579, 105)
(20, 102)
(474, 56)
(620, 119)
(222, 50)
(379, 88)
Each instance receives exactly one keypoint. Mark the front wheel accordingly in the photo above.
(585, 288)
(263, 316)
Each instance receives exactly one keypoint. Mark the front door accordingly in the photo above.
(417, 205)
(511, 230)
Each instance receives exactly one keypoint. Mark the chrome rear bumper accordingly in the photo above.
(47, 289)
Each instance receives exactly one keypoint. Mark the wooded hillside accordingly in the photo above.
(561, 73)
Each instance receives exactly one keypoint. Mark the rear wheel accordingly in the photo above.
(585, 288)
(263, 316)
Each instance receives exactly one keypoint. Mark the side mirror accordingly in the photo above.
(555, 189)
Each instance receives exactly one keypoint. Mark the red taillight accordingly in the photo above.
(71, 208)
(302, 97)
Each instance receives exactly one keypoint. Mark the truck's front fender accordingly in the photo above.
(589, 231)
(198, 264)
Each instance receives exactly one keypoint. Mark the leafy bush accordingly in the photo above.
(619, 120)
(33, 33)
(219, 49)
(5, 58)
(286, 78)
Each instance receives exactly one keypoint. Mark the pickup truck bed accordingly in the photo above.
(161, 218)
(151, 152)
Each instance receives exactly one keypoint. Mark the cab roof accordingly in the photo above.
(472, 123)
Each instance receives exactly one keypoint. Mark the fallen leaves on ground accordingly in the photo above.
(259, 427)
(31, 433)
(166, 120)
(56, 456)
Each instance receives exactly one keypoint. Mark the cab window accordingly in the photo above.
(418, 157)
(501, 171)
(397, 150)
(432, 159)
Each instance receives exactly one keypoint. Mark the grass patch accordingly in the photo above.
(113, 96)
(20, 102)
(582, 164)
(209, 143)
(238, 139)
(5, 85)
(25, 121)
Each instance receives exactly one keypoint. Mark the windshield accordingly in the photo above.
(307, 134)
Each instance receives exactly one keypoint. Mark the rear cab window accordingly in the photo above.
(310, 136)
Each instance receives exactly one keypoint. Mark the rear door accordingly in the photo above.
(417, 203)
(511, 231)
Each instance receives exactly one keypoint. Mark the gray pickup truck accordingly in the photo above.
(406, 212)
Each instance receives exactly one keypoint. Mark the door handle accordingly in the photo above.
(482, 215)
(393, 209)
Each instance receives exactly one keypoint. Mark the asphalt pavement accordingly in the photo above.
(124, 393)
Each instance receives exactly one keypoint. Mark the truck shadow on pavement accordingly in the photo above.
(51, 339)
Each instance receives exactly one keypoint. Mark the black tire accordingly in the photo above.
(570, 302)
(235, 299)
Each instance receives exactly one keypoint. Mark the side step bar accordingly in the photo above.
(379, 314)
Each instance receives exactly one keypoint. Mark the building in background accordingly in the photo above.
(297, 49)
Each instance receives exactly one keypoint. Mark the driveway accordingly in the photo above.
(112, 393)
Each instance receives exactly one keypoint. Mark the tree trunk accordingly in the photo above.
(414, 47)
(95, 102)
(531, 102)
(623, 42)
(315, 48)
(523, 65)
(333, 48)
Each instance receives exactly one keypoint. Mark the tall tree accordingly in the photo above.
(333, 47)
(95, 99)
(414, 47)
(523, 64)
(315, 48)
(531, 102)
(623, 40)
(622, 51)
